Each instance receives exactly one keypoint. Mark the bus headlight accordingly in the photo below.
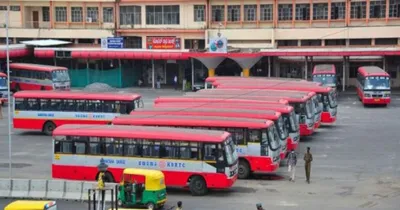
(386, 95)
(367, 95)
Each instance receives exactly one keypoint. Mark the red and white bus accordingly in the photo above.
(303, 107)
(187, 157)
(45, 110)
(27, 76)
(326, 96)
(373, 85)
(3, 88)
(325, 74)
(288, 115)
(276, 117)
(284, 94)
(256, 141)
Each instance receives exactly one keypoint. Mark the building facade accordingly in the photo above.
(189, 24)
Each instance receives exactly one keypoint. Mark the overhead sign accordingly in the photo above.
(218, 45)
(163, 42)
(112, 43)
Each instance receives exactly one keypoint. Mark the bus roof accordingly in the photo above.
(313, 88)
(253, 92)
(183, 120)
(245, 113)
(324, 69)
(372, 71)
(219, 78)
(142, 132)
(263, 82)
(290, 99)
(183, 99)
(38, 67)
(276, 107)
(54, 94)
(2, 74)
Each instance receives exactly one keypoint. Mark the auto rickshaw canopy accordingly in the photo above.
(154, 179)
(30, 205)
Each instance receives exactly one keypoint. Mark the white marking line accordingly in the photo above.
(20, 153)
(285, 203)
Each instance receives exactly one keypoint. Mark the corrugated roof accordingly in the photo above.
(45, 43)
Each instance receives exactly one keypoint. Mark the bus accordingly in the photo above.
(185, 99)
(303, 106)
(276, 117)
(373, 85)
(326, 96)
(3, 88)
(269, 93)
(27, 76)
(287, 112)
(222, 79)
(45, 110)
(187, 157)
(325, 74)
(256, 141)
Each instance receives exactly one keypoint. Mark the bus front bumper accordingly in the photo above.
(292, 145)
(376, 101)
(327, 118)
(305, 130)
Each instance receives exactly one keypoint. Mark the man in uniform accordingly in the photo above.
(308, 159)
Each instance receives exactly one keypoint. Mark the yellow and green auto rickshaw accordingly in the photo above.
(31, 205)
(142, 187)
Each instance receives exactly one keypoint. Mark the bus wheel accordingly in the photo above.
(48, 128)
(150, 205)
(198, 186)
(243, 170)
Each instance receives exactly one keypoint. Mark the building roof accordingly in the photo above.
(16, 50)
(45, 43)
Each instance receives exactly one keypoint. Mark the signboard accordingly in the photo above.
(218, 45)
(163, 42)
(112, 43)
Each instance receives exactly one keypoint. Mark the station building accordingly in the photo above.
(161, 38)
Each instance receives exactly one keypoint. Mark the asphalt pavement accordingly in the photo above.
(356, 165)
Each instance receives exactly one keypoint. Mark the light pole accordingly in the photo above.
(9, 95)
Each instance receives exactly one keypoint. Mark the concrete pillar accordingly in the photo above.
(269, 66)
(344, 74)
(246, 72)
(372, 42)
(398, 41)
(211, 72)
(323, 43)
(347, 42)
(192, 72)
(152, 75)
(384, 63)
(306, 68)
(299, 43)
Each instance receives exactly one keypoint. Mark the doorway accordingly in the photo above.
(35, 19)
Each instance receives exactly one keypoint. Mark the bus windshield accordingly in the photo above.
(264, 144)
(325, 79)
(332, 99)
(3, 82)
(273, 139)
(282, 128)
(309, 109)
(230, 151)
(294, 125)
(316, 104)
(60, 76)
(377, 83)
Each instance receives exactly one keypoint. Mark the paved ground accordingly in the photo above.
(356, 165)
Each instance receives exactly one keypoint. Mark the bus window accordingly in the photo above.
(19, 104)
(114, 147)
(80, 147)
(209, 152)
(132, 147)
(254, 136)
(94, 146)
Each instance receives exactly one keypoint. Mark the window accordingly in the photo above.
(76, 14)
(234, 13)
(162, 15)
(254, 136)
(218, 13)
(15, 8)
(45, 14)
(338, 10)
(210, 151)
(108, 14)
(394, 8)
(360, 41)
(133, 42)
(3, 8)
(198, 11)
(92, 14)
(377, 9)
(61, 14)
(237, 135)
(302, 12)
(285, 11)
(387, 41)
(130, 15)
(250, 12)
(320, 11)
(334, 42)
(266, 12)
(189, 150)
(358, 10)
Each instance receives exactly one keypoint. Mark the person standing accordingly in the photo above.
(176, 82)
(179, 204)
(158, 82)
(308, 159)
(259, 206)
(291, 162)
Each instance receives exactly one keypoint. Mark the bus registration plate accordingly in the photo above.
(377, 99)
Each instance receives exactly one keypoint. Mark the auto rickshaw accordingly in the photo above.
(31, 205)
(142, 187)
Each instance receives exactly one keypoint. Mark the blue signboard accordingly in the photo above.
(112, 43)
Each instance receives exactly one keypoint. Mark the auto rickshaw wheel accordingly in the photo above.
(198, 186)
(150, 205)
(119, 203)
